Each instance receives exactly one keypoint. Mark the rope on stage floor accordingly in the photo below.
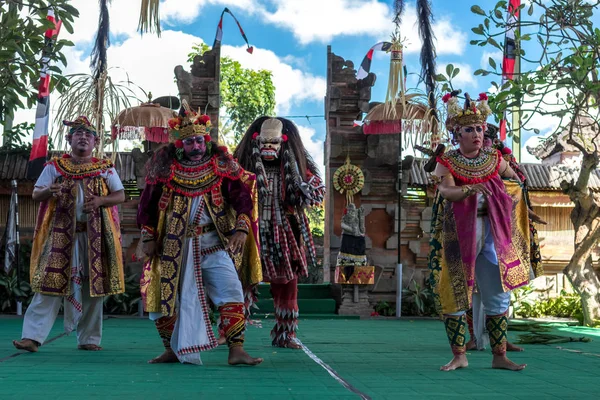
(25, 352)
(332, 372)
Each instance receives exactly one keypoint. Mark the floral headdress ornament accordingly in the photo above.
(191, 124)
(473, 112)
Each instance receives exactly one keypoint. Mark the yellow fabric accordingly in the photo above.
(448, 276)
(41, 234)
(106, 276)
(360, 276)
(224, 217)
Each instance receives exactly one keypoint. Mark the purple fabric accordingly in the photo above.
(148, 207)
(234, 192)
(237, 195)
(500, 206)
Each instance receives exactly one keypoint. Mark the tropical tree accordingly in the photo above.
(22, 27)
(246, 94)
(559, 49)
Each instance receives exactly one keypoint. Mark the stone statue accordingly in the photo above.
(352, 252)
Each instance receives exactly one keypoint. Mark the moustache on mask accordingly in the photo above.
(195, 152)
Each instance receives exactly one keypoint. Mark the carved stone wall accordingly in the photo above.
(200, 87)
(377, 155)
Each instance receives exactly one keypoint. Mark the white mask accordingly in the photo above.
(270, 139)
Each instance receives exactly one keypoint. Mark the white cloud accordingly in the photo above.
(318, 20)
(123, 20)
(187, 11)
(292, 86)
(465, 77)
(313, 146)
(135, 56)
(495, 55)
(321, 21)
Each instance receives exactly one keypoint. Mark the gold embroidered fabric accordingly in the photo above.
(472, 170)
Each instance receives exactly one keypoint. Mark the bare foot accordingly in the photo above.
(221, 340)
(290, 344)
(167, 357)
(456, 363)
(89, 347)
(501, 362)
(471, 345)
(26, 344)
(238, 356)
(512, 347)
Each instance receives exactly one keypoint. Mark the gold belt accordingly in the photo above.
(199, 230)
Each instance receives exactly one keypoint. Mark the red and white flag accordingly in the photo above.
(510, 52)
(39, 148)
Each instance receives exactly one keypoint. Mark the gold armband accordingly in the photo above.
(467, 190)
(243, 223)
(436, 180)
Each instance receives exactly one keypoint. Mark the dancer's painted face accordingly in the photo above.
(470, 137)
(194, 148)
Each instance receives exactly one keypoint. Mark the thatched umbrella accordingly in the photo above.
(148, 121)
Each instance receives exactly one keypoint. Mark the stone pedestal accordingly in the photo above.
(355, 301)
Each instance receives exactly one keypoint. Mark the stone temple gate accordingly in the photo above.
(377, 155)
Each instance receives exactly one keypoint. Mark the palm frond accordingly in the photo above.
(150, 16)
(80, 99)
(428, 53)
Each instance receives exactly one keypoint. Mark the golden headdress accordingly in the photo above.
(191, 124)
(473, 112)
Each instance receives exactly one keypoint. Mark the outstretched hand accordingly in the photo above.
(480, 188)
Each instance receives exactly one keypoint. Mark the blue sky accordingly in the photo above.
(290, 38)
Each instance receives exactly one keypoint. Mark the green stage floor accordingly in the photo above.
(378, 359)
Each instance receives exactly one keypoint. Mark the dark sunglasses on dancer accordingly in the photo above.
(197, 139)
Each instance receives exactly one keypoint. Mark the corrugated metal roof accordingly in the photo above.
(14, 166)
(539, 176)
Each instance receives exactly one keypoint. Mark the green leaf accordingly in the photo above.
(498, 14)
(477, 10)
(440, 78)
(530, 10)
(478, 30)
(449, 69)
(455, 72)
(493, 42)
(492, 62)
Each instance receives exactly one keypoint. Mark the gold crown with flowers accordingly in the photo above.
(473, 112)
(191, 124)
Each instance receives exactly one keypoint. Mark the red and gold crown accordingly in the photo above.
(473, 112)
(190, 125)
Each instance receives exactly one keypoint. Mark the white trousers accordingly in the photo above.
(41, 315)
(487, 273)
(192, 333)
